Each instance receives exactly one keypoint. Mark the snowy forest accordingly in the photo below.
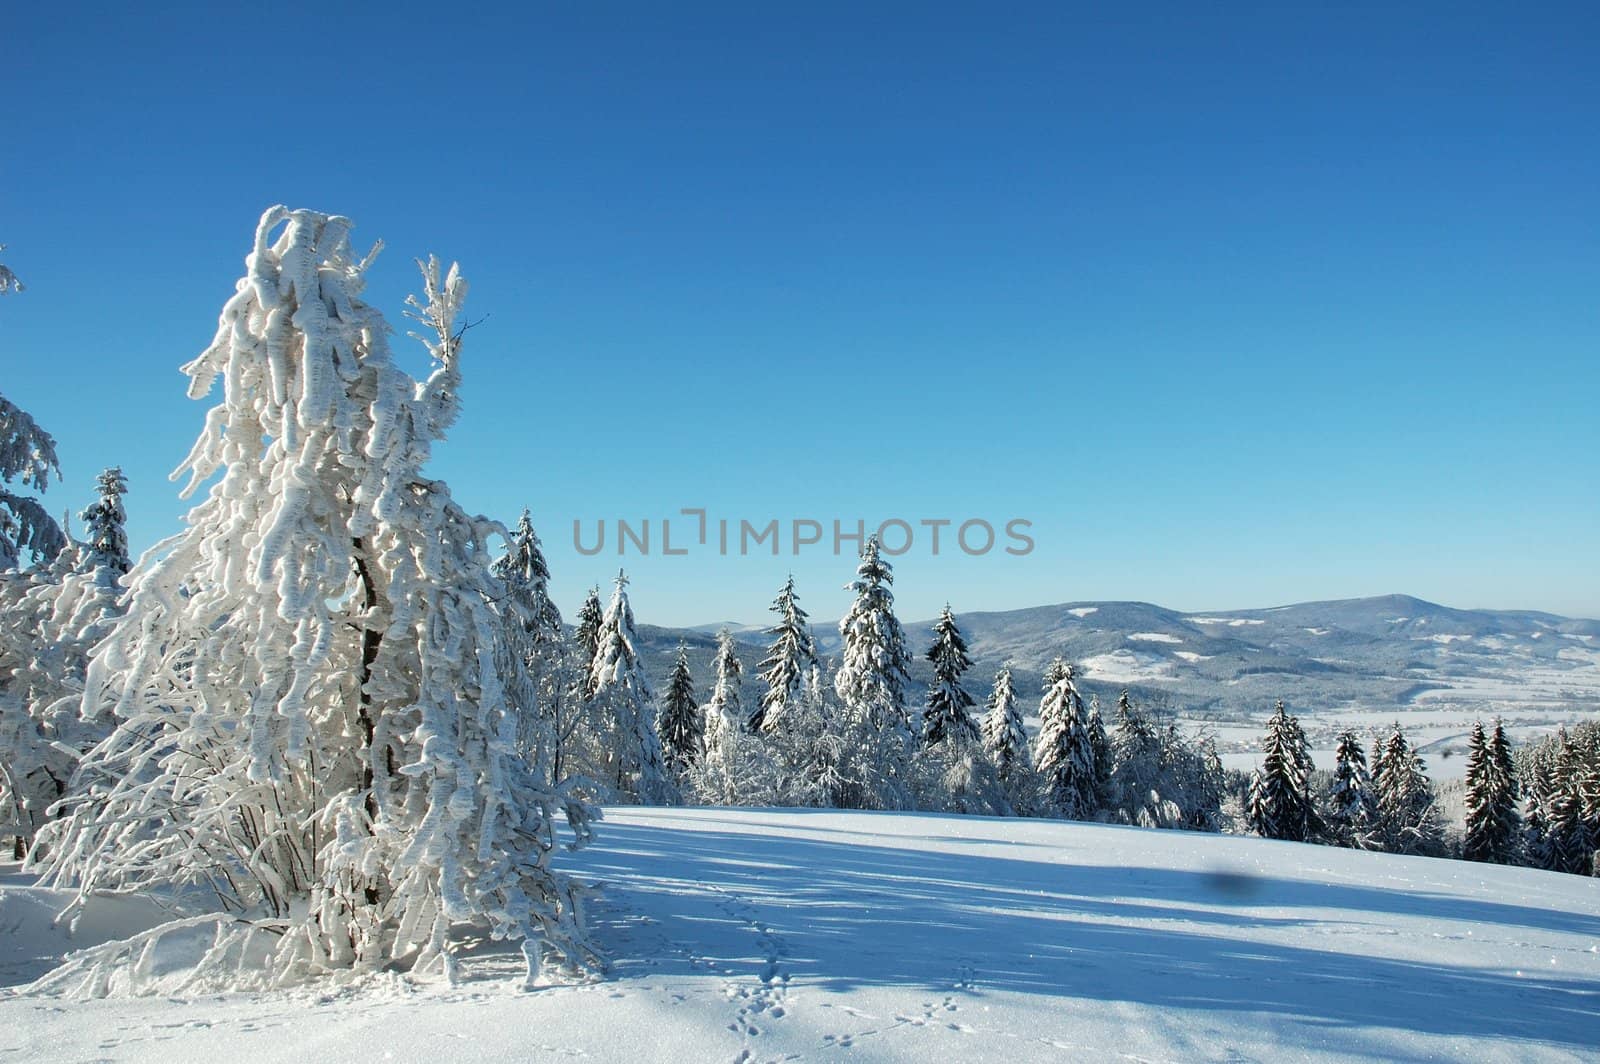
(348, 714)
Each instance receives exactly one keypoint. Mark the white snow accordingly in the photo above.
(1439, 637)
(1232, 622)
(1084, 611)
(1126, 666)
(1154, 637)
(803, 935)
(1189, 655)
(1319, 631)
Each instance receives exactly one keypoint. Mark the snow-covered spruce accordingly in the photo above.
(105, 524)
(547, 713)
(27, 458)
(1005, 742)
(871, 681)
(1280, 805)
(1408, 817)
(586, 641)
(1064, 754)
(621, 711)
(680, 724)
(309, 685)
(790, 659)
(1493, 826)
(949, 710)
(735, 769)
(1352, 804)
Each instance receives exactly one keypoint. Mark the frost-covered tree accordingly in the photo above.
(789, 661)
(1280, 805)
(1158, 777)
(548, 712)
(27, 458)
(680, 724)
(105, 523)
(630, 759)
(1352, 803)
(1064, 753)
(808, 750)
(949, 710)
(871, 686)
(1005, 740)
(735, 769)
(1493, 824)
(308, 688)
(1408, 818)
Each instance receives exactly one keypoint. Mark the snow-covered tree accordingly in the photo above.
(790, 659)
(630, 759)
(735, 769)
(871, 685)
(51, 616)
(808, 749)
(1100, 744)
(1408, 819)
(1158, 777)
(548, 712)
(1352, 803)
(586, 640)
(105, 522)
(948, 713)
(1493, 823)
(1064, 753)
(1280, 805)
(680, 724)
(1005, 741)
(27, 458)
(309, 686)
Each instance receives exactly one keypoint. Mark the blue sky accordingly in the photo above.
(1237, 307)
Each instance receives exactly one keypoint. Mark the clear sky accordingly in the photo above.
(1237, 307)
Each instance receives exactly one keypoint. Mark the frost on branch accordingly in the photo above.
(309, 688)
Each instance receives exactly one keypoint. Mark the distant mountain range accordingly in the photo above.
(1389, 655)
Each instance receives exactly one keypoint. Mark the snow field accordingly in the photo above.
(757, 935)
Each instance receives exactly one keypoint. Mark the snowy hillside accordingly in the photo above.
(742, 935)
(1354, 663)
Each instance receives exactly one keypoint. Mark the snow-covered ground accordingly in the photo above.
(743, 935)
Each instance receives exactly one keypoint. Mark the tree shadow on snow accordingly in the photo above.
(840, 915)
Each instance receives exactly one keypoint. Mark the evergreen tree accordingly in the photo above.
(630, 759)
(1100, 744)
(680, 723)
(1280, 804)
(27, 458)
(308, 687)
(1493, 825)
(1064, 754)
(106, 522)
(1353, 807)
(789, 660)
(546, 711)
(1004, 737)
(735, 770)
(871, 686)
(586, 640)
(948, 711)
(1408, 821)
